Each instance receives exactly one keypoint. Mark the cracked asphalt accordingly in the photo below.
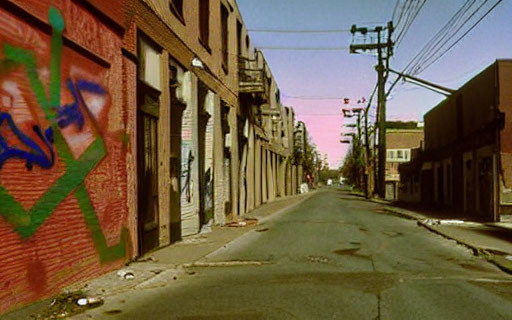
(335, 256)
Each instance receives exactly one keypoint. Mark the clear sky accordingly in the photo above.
(304, 76)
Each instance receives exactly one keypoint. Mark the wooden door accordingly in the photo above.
(147, 133)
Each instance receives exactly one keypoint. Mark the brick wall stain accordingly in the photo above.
(63, 151)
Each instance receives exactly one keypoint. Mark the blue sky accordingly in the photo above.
(337, 74)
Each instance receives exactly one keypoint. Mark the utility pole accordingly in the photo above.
(384, 52)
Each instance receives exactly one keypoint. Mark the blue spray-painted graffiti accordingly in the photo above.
(37, 156)
(67, 115)
(72, 113)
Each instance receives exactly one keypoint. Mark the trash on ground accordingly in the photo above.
(448, 222)
(430, 222)
(242, 223)
(147, 259)
(82, 302)
(304, 188)
(68, 304)
(262, 230)
(126, 274)
(207, 228)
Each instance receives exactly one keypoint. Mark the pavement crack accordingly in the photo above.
(226, 264)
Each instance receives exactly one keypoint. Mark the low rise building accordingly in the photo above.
(466, 165)
(399, 146)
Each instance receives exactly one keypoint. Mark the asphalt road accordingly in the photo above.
(334, 257)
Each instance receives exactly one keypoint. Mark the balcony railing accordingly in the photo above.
(251, 77)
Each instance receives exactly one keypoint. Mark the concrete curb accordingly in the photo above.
(497, 259)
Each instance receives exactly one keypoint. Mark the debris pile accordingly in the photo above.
(68, 304)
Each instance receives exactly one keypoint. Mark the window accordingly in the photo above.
(399, 154)
(391, 155)
(239, 36)
(406, 155)
(176, 7)
(204, 23)
(224, 14)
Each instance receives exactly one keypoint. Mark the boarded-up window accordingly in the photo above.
(224, 14)
(204, 23)
(149, 66)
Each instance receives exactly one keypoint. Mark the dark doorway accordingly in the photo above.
(147, 154)
(177, 108)
(427, 187)
(440, 185)
(485, 191)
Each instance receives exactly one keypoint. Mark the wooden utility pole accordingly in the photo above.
(384, 52)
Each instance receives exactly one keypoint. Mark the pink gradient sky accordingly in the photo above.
(339, 74)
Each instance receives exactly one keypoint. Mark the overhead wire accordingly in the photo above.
(433, 58)
(449, 31)
(401, 36)
(303, 48)
(299, 31)
(395, 10)
(465, 33)
(432, 42)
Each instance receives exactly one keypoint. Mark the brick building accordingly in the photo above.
(124, 126)
(399, 146)
(466, 165)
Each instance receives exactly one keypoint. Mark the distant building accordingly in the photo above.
(399, 145)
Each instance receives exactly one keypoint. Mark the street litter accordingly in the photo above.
(262, 230)
(242, 223)
(430, 222)
(447, 222)
(68, 304)
(207, 228)
(147, 259)
(91, 302)
(126, 274)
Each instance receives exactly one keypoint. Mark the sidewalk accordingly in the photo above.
(158, 267)
(493, 241)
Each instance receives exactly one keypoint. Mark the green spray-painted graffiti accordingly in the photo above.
(76, 170)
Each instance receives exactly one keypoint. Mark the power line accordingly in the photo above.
(394, 10)
(446, 32)
(299, 31)
(304, 48)
(312, 97)
(460, 38)
(402, 11)
(408, 24)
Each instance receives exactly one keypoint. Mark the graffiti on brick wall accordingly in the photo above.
(55, 146)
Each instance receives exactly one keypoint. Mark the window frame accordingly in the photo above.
(204, 26)
(177, 11)
(224, 20)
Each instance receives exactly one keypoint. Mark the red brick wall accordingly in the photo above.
(505, 105)
(478, 98)
(63, 148)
